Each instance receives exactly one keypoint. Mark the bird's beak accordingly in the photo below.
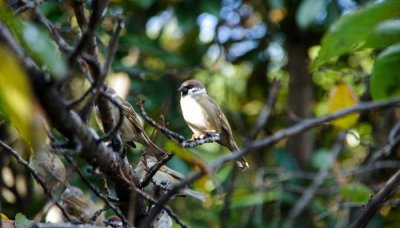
(181, 89)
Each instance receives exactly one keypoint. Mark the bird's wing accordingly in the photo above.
(172, 172)
(223, 122)
(132, 116)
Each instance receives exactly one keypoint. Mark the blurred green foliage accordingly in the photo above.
(237, 49)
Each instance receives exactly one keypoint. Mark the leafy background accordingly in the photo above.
(346, 50)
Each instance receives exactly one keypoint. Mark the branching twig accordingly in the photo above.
(227, 199)
(266, 111)
(98, 213)
(155, 202)
(27, 5)
(98, 7)
(319, 179)
(153, 170)
(266, 142)
(376, 202)
(95, 190)
(115, 129)
(112, 46)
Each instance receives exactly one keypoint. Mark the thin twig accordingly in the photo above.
(155, 202)
(153, 170)
(266, 111)
(77, 101)
(113, 44)
(98, 213)
(319, 179)
(27, 5)
(116, 128)
(95, 17)
(225, 213)
(376, 202)
(35, 175)
(266, 142)
(95, 190)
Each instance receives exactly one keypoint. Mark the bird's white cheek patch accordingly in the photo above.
(193, 113)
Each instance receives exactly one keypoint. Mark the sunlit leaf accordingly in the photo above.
(15, 94)
(308, 12)
(3, 216)
(385, 79)
(186, 156)
(385, 34)
(342, 96)
(22, 221)
(356, 192)
(36, 42)
(352, 29)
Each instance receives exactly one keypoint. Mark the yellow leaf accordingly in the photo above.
(342, 96)
(3, 216)
(15, 94)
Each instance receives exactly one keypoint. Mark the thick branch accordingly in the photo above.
(377, 202)
(74, 129)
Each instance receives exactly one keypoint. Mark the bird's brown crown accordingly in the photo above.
(192, 84)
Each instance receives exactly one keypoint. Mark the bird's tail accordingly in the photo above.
(241, 162)
(153, 148)
(198, 195)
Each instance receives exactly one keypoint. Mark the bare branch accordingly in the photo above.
(153, 170)
(376, 202)
(319, 179)
(266, 111)
(266, 142)
(112, 46)
(225, 213)
(96, 191)
(88, 36)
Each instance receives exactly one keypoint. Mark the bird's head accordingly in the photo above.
(192, 87)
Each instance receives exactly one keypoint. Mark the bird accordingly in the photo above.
(204, 117)
(78, 205)
(49, 166)
(131, 129)
(164, 179)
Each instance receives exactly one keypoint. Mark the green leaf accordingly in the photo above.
(322, 159)
(15, 95)
(36, 42)
(353, 29)
(385, 79)
(308, 12)
(385, 34)
(356, 192)
(21, 221)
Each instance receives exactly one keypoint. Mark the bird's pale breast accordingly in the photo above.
(195, 115)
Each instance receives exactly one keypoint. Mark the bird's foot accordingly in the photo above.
(196, 137)
(208, 133)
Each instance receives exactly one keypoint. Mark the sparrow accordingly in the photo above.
(132, 129)
(164, 179)
(78, 205)
(204, 116)
(50, 167)
(162, 220)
